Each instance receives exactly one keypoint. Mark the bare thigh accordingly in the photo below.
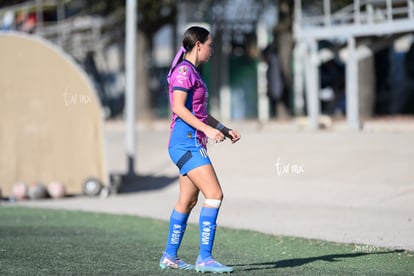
(205, 179)
(188, 195)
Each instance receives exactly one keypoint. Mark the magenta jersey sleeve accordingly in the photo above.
(182, 78)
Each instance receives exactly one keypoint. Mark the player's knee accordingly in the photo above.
(192, 203)
(186, 206)
(214, 195)
(213, 203)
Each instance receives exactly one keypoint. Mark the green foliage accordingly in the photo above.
(152, 15)
(155, 14)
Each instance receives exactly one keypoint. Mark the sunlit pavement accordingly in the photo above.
(335, 184)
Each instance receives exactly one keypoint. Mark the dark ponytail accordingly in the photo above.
(191, 36)
(194, 34)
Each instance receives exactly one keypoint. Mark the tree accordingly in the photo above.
(152, 16)
(284, 41)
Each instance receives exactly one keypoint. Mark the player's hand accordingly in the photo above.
(215, 135)
(234, 135)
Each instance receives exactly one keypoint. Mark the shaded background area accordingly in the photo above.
(93, 33)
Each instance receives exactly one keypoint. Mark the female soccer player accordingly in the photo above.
(191, 129)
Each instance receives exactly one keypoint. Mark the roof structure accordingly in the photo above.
(379, 19)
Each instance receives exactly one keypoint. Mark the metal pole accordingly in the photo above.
(39, 17)
(370, 13)
(357, 7)
(389, 11)
(60, 18)
(298, 68)
(312, 83)
(225, 93)
(299, 60)
(297, 22)
(327, 12)
(262, 99)
(352, 103)
(130, 74)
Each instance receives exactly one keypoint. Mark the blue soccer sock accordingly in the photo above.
(178, 223)
(208, 217)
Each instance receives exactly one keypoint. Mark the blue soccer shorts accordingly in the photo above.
(187, 157)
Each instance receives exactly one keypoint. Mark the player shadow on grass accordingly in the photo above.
(289, 263)
(132, 183)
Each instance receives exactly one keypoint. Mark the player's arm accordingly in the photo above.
(182, 111)
(232, 134)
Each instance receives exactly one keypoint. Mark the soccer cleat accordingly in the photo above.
(211, 265)
(174, 262)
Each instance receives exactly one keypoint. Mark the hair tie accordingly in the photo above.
(177, 58)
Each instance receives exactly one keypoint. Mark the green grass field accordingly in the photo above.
(55, 242)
